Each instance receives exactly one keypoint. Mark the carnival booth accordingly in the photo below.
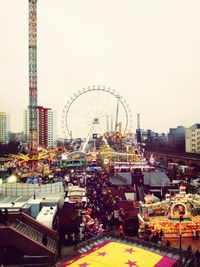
(76, 194)
(175, 214)
(47, 216)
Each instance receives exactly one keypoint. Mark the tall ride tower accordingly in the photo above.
(33, 75)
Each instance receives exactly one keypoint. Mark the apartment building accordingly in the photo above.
(4, 128)
(46, 126)
(192, 139)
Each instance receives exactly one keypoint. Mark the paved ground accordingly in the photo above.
(67, 253)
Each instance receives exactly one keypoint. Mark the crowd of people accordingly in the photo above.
(101, 211)
(153, 235)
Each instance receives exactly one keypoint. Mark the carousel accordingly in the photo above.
(175, 214)
(39, 164)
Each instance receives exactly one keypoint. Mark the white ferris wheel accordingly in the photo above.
(96, 110)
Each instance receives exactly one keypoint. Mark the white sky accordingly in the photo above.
(149, 51)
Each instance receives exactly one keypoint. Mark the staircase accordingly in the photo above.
(35, 235)
(140, 191)
(23, 233)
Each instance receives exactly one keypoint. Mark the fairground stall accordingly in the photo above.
(76, 194)
(47, 216)
(177, 214)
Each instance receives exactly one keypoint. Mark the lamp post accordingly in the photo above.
(180, 235)
(127, 151)
(181, 213)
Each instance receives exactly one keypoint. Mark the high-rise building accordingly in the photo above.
(192, 139)
(46, 127)
(4, 128)
(52, 128)
(176, 138)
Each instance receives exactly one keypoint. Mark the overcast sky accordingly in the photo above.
(148, 51)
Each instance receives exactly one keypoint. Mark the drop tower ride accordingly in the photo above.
(33, 76)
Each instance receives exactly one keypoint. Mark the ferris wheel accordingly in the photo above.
(97, 110)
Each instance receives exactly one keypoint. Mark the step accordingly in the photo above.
(35, 235)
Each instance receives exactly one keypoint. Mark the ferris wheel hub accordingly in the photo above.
(95, 120)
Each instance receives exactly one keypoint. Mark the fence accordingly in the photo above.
(23, 189)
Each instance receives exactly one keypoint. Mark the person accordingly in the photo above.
(168, 243)
(100, 229)
(44, 240)
(193, 234)
(140, 235)
(157, 236)
(197, 256)
(73, 237)
(121, 230)
(188, 253)
(159, 241)
(6, 212)
(1, 215)
(161, 233)
(76, 241)
(66, 237)
(197, 235)
(59, 249)
(146, 237)
(6, 216)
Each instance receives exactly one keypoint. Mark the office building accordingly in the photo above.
(4, 128)
(192, 139)
(176, 138)
(46, 127)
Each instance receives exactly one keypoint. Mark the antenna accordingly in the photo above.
(138, 121)
(117, 113)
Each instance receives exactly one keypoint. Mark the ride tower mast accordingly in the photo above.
(33, 76)
(117, 124)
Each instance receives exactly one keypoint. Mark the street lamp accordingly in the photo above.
(181, 213)
(127, 151)
(180, 235)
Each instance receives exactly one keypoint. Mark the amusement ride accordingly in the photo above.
(96, 109)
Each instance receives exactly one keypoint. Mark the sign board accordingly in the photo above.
(105, 161)
(152, 160)
(94, 136)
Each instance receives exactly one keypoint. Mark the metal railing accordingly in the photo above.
(23, 189)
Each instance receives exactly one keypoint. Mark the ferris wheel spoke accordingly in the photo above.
(77, 120)
(111, 111)
(77, 131)
(98, 98)
(78, 126)
(93, 104)
(80, 115)
(84, 108)
(90, 102)
(105, 104)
